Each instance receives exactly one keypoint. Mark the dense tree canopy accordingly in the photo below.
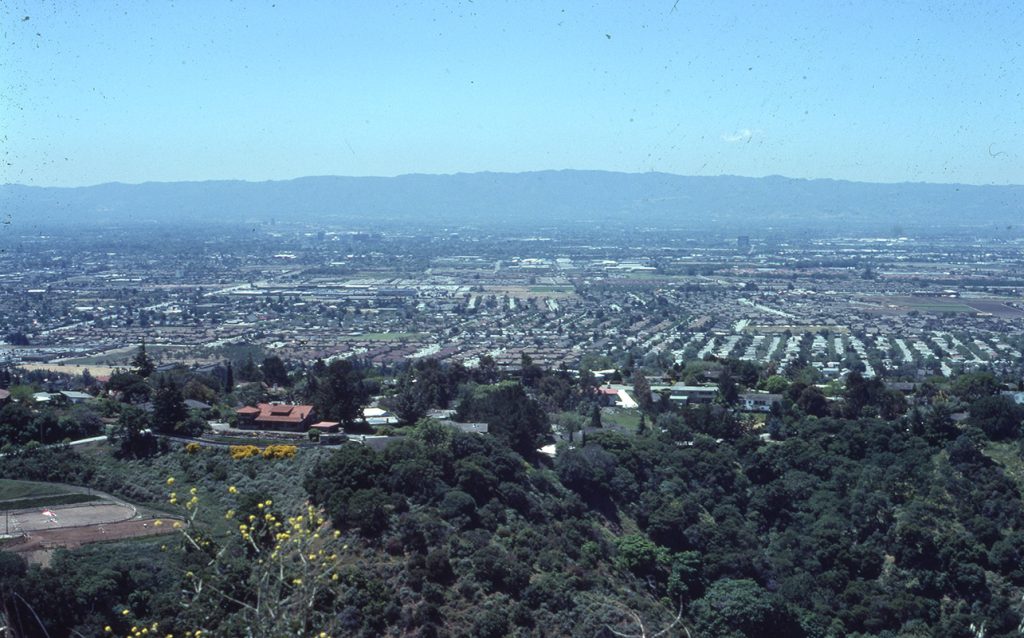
(512, 415)
(839, 515)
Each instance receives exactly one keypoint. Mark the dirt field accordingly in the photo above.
(35, 534)
(37, 546)
(69, 368)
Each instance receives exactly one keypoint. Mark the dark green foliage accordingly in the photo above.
(57, 463)
(411, 402)
(864, 395)
(975, 385)
(142, 363)
(85, 589)
(130, 386)
(735, 608)
(15, 421)
(838, 526)
(353, 467)
(274, 372)
(131, 434)
(16, 338)
(249, 371)
(588, 470)
(998, 416)
(642, 392)
(728, 393)
(513, 416)
(811, 401)
(168, 406)
(340, 393)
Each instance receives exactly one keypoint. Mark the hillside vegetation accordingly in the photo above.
(841, 524)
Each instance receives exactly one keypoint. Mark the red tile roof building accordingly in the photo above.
(276, 416)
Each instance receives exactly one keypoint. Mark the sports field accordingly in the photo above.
(34, 531)
(35, 519)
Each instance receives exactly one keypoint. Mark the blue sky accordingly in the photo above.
(96, 91)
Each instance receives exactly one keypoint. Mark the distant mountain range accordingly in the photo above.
(536, 198)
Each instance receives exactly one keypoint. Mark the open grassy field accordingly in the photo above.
(1006, 455)
(620, 419)
(11, 489)
(33, 502)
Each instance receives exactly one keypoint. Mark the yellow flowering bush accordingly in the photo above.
(239, 452)
(279, 572)
(279, 451)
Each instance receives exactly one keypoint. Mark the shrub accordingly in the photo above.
(239, 452)
(279, 451)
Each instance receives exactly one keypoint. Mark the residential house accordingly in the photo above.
(276, 416)
(758, 401)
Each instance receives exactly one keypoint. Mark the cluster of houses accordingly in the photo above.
(620, 396)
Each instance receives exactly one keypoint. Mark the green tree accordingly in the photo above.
(642, 392)
(975, 385)
(742, 608)
(487, 371)
(142, 363)
(409, 403)
(998, 416)
(131, 433)
(529, 372)
(274, 372)
(776, 384)
(168, 406)
(511, 415)
(15, 419)
(341, 394)
(229, 378)
(132, 387)
(728, 393)
(595, 416)
(813, 402)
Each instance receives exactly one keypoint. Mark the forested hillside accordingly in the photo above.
(703, 520)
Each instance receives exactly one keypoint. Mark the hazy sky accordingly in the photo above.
(96, 91)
